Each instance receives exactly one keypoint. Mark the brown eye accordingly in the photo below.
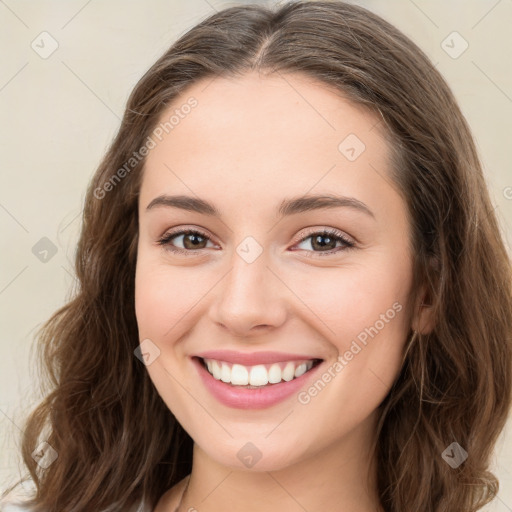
(191, 239)
(324, 243)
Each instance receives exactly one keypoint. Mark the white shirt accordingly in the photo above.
(17, 506)
(15, 501)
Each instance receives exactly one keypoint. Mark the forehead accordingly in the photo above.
(259, 134)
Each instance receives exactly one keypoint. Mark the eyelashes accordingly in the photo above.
(332, 235)
(166, 240)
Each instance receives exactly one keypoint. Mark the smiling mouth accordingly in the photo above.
(257, 376)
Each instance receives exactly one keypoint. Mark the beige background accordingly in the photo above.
(60, 113)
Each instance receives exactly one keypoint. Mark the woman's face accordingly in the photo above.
(260, 293)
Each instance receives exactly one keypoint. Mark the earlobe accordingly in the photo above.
(423, 320)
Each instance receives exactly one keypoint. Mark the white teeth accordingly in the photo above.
(225, 374)
(300, 370)
(216, 370)
(258, 376)
(274, 374)
(239, 375)
(288, 372)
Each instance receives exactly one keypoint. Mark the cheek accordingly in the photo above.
(350, 300)
(362, 313)
(370, 326)
(165, 297)
(164, 307)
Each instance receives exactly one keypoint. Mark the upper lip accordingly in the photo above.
(253, 358)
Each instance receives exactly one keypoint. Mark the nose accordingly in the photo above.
(250, 299)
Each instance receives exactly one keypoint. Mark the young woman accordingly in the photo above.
(293, 290)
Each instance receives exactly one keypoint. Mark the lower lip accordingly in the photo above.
(243, 398)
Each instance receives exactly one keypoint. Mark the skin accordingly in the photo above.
(250, 143)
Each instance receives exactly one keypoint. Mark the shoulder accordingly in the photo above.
(19, 507)
(15, 502)
(9, 505)
(15, 497)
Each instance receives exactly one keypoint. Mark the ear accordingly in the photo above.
(423, 320)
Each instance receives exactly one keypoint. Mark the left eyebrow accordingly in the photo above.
(317, 202)
(287, 207)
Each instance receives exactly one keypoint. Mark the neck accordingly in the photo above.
(340, 477)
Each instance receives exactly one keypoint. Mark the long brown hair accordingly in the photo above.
(117, 442)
